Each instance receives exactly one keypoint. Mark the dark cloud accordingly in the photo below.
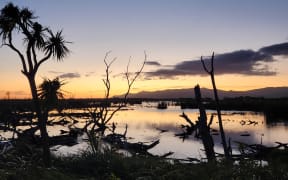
(152, 63)
(69, 75)
(276, 49)
(244, 62)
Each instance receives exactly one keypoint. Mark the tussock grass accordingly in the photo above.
(112, 166)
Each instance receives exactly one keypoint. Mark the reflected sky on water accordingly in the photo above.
(145, 123)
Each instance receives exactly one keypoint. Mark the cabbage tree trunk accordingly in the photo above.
(41, 120)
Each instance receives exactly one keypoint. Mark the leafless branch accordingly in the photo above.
(106, 81)
(211, 73)
(103, 113)
(183, 115)
(212, 65)
(130, 82)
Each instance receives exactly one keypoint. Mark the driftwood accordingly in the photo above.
(119, 141)
(29, 137)
(249, 122)
(183, 115)
(188, 129)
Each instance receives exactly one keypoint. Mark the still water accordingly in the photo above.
(146, 123)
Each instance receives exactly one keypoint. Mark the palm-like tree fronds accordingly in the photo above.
(11, 11)
(56, 45)
(12, 17)
(50, 92)
(9, 18)
(26, 16)
(38, 36)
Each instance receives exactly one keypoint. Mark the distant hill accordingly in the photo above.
(268, 92)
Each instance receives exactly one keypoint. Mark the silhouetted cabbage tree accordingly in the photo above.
(39, 45)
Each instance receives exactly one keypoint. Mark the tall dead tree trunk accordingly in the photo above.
(218, 109)
(203, 127)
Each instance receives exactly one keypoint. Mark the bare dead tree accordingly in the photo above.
(101, 115)
(130, 81)
(211, 73)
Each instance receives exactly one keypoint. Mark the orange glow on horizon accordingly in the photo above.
(93, 87)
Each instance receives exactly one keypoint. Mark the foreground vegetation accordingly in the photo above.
(23, 163)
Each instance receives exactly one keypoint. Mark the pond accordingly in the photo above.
(146, 123)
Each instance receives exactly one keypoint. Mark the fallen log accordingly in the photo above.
(119, 141)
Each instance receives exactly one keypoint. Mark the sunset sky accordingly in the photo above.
(249, 38)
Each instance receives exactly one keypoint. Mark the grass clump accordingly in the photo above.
(112, 166)
(115, 166)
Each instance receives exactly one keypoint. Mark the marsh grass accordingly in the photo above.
(113, 166)
(110, 165)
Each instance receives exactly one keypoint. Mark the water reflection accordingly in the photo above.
(147, 123)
